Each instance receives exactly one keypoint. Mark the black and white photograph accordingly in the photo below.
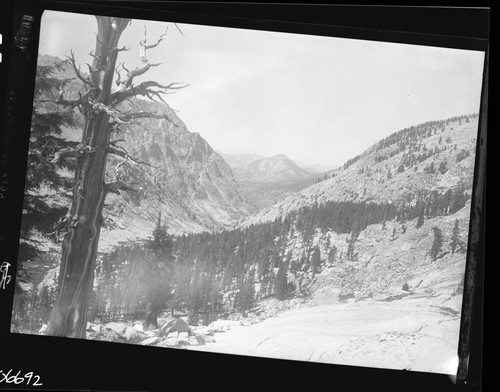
(249, 192)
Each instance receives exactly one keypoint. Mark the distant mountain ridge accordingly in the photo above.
(246, 168)
(429, 157)
(266, 180)
(273, 169)
(239, 160)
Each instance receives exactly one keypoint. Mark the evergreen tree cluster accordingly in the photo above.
(33, 309)
(350, 161)
(230, 270)
(455, 242)
(133, 276)
(414, 134)
(341, 217)
(41, 214)
(409, 141)
(47, 122)
(432, 204)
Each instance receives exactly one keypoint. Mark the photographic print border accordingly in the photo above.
(143, 367)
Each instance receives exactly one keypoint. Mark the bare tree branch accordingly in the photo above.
(145, 47)
(79, 150)
(136, 115)
(100, 62)
(78, 73)
(72, 103)
(126, 88)
(145, 89)
(117, 186)
(125, 69)
(113, 113)
(124, 154)
(42, 159)
(114, 142)
(122, 49)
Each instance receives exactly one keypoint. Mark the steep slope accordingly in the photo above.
(184, 178)
(431, 157)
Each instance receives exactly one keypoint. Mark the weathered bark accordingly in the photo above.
(79, 249)
(151, 317)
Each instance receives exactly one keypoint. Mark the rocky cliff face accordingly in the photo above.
(183, 177)
(178, 173)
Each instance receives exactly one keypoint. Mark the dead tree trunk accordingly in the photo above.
(84, 220)
(69, 315)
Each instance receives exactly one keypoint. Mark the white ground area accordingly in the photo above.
(412, 333)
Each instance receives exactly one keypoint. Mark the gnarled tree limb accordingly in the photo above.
(71, 103)
(125, 155)
(117, 186)
(145, 47)
(149, 89)
(80, 149)
(79, 75)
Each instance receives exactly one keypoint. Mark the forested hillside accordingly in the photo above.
(407, 167)
(232, 270)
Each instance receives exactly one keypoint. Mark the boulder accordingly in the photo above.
(130, 333)
(202, 330)
(111, 336)
(96, 328)
(150, 334)
(171, 341)
(150, 341)
(174, 325)
(183, 339)
(119, 328)
(183, 335)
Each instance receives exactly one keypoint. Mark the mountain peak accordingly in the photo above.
(277, 168)
(280, 156)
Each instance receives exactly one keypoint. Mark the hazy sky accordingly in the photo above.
(315, 99)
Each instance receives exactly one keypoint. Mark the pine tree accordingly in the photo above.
(443, 167)
(162, 242)
(350, 254)
(420, 218)
(332, 253)
(246, 295)
(455, 242)
(315, 259)
(437, 243)
(281, 283)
